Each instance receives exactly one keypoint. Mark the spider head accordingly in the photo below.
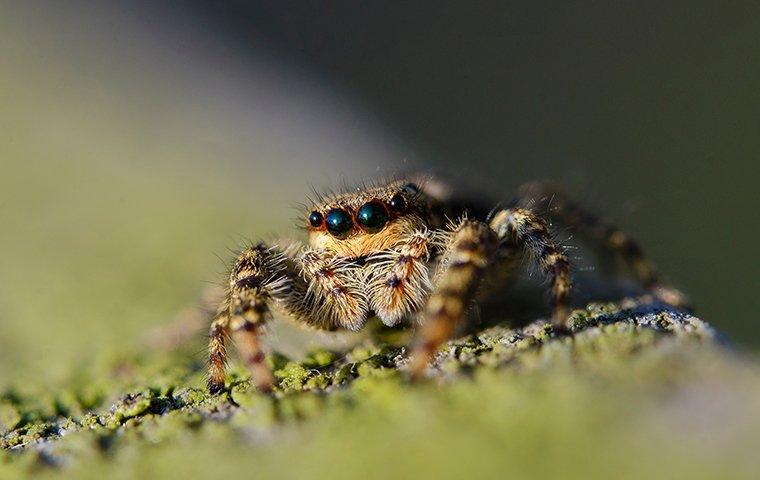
(368, 220)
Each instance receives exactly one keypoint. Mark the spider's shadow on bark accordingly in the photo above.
(525, 300)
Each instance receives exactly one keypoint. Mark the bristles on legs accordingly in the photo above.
(217, 353)
(399, 282)
(248, 340)
(560, 207)
(471, 251)
(531, 233)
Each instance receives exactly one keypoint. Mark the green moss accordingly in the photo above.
(381, 364)
(600, 308)
(345, 373)
(544, 333)
(9, 417)
(319, 359)
(500, 398)
(292, 376)
(361, 352)
(189, 396)
(318, 381)
(132, 405)
(277, 361)
(579, 320)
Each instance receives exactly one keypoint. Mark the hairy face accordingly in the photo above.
(369, 220)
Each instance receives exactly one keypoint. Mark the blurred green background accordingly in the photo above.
(141, 140)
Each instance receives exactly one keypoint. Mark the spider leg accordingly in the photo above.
(217, 352)
(561, 208)
(314, 288)
(259, 276)
(471, 249)
(529, 232)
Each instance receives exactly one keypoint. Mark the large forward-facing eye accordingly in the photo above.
(372, 216)
(338, 222)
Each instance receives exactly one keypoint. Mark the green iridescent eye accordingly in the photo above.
(372, 216)
(338, 222)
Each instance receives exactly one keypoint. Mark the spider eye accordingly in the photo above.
(372, 216)
(411, 188)
(316, 219)
(397, 203)
(338, 222)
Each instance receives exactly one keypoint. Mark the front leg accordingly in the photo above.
(472, 247)
(258, 276)
(314, 288)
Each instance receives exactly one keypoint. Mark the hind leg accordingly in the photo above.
(559, 207)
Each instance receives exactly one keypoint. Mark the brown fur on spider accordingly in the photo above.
(406, 250)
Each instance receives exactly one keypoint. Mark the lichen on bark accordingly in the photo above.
(633, 375)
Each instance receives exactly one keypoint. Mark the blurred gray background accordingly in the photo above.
(650, 111)
(140, 140)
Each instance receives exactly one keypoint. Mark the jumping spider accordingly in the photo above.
(404, 250)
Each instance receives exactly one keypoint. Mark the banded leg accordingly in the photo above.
(217, 352)
(560, 207)
(258, 277)
(529, 232)
(314, 288)
(248, 343)
(248, 340)
(471, 251)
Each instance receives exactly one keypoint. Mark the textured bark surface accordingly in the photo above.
(632, 389)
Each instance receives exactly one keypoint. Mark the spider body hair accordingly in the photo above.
(408, 249)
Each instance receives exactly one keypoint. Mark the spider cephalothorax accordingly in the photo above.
(360, 223)
(401, 250)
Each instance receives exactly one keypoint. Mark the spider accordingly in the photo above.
(411, 250)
